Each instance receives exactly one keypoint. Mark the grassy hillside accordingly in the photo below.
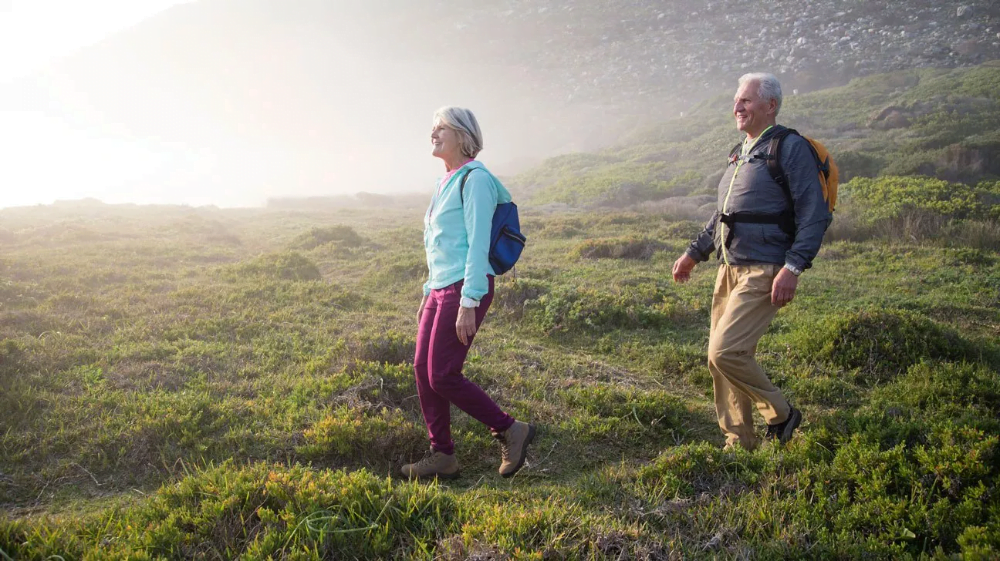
(180, 383)
(931, 122)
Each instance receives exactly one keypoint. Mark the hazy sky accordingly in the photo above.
(33, 32)
(232, 102)
(225, 102)
(45, 159)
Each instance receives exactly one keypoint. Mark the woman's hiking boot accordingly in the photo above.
(783, 431)
(434, 464)
(514, 446)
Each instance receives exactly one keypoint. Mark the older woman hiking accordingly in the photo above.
(457, 295)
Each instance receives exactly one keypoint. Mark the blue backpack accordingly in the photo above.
(506, 239)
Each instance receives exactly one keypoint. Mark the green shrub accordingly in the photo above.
(256, 512)
(512, 297)
(616, 219)
(381, 383)
(924, 496)
(918, 209)
(390, 346)
(622, 414)
(631, 247)
(553, 227)
(647, 407)
(598, 310)
(883, 343)
(691, 469)
(11, 355)
(396, 269)
(972, 256)
(684, 230)
(891, 197)
(280, 266)
(353, 433)
(943, 391)
(618, 184)
(981, 543)
(976, 234)
(853, 164)
(554, 525)
(828, 390)
(931, 396)
(316, 237)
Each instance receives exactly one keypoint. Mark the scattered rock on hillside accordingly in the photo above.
(892, 117)
(611, 51)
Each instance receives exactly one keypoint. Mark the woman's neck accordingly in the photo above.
(451, 164)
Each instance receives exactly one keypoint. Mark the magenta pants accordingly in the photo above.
(438, 368)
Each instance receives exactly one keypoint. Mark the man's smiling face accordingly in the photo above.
(752, 113)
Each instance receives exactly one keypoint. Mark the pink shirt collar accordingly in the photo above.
(454, 171)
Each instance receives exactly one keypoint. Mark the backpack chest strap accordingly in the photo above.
(784, 220)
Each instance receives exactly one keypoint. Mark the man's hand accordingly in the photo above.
(682, 268)
(420, 310)
(783, 287)
(465, 326)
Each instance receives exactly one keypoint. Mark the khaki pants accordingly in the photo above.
(741, 313)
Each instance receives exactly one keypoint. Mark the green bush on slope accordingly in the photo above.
(316, 237)
(881, 344)
(284, 266)
(257, 512)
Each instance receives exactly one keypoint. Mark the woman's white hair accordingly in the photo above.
(465, 124)
(768, 86)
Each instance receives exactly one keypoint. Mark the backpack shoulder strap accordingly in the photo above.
(774, 161)
(734, 154)
(461, 191)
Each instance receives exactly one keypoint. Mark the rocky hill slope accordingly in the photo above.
(623, 49)
(936, 122)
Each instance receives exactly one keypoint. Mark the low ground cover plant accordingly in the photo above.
(202, 383)
(176, 412)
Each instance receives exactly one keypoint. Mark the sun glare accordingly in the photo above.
(50, 159)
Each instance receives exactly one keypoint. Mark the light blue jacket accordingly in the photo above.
(457, 236)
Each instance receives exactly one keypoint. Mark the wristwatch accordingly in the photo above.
(795, 270)
(468, 302)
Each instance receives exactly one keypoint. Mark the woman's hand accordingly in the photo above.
(420, 310)
(465, 326)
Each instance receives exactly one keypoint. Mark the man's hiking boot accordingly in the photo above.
(783, 431)
(434, 464)
(514, 446)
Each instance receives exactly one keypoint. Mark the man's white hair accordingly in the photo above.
(768, 86)
(464, 122)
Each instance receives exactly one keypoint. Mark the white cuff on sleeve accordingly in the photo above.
(469, 303)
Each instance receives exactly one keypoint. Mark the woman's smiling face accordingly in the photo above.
(445, 141)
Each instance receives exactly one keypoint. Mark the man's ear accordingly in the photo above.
(772, 107)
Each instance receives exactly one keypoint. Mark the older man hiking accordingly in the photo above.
(765, 236)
